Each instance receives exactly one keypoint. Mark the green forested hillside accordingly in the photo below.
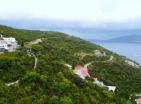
(20, 34)
(51, 82)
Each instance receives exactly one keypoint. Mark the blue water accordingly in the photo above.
(130, 50)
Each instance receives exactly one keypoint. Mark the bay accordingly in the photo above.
(130, 50)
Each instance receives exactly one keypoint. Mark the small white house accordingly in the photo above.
(111, 88)
(99, 83)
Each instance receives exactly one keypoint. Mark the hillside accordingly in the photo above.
(49, 81)
(20, 34)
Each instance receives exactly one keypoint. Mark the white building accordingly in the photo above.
(9, 44)
(111, 88)
(99, 83)
(10, 40)
(3, 45)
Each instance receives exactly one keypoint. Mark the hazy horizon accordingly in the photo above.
(80, 29)
(86, 19)
(88, 11)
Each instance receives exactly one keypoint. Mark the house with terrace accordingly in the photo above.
(7, 43)
(82, 72)
(138, 101)
(101, 84)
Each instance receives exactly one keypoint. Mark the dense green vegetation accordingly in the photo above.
(124, 77)
(51, 82)
(14, 65)
(20, 34)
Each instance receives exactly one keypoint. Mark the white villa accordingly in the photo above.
(8, 43)
(82, 72)
(101, 84)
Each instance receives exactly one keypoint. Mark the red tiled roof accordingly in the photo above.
(82, 71)
(138, 101)
(78, 66)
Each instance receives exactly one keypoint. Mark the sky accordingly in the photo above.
(72, 10)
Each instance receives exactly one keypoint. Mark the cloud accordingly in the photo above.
(82, 10)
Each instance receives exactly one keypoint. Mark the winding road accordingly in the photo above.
(29, 45)
(35, 62)
(30, 54)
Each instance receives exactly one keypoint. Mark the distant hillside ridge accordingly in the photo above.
(123, 39)
(20, 34)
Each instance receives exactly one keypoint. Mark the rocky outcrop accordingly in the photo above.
(98, 53)
(131, 63)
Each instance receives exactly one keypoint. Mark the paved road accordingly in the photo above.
(35, 63)
(12, 83)
(32, 54)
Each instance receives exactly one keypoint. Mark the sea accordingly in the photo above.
(130, 50)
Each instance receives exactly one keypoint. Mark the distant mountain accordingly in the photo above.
(124, 39)
(101, 31)
(129, 39)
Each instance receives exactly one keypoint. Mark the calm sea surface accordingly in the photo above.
(130, 50)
